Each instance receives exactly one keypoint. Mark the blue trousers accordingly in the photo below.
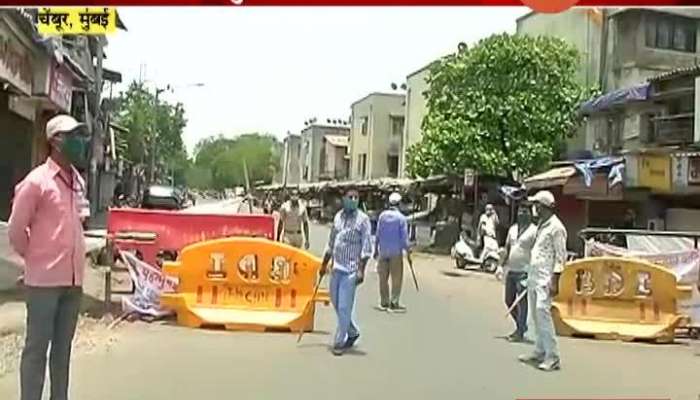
(515, 286)
(342, 289)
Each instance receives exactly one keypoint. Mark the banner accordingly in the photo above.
(685, 265)
(149, 283)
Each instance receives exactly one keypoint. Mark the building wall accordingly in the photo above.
(312, 147)
(291, 159)
(416, 109)
(335, 162)
(379, 142)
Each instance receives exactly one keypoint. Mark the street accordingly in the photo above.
(449, 346)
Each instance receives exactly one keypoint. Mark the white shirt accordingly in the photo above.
(488, 225)
(520, 244)
(549, 252)
(293, 217)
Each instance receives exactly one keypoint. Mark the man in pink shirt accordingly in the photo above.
(45, 229)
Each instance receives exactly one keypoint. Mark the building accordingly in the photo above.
(291, 161)
(619, 48)
(416, 109)
(335, 161)
(376, 136)
(313, 156)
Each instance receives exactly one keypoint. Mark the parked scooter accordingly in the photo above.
(466, 252)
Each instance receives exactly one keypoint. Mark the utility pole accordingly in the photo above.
(97, 132)
(154, 134)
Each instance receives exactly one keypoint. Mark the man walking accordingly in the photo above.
(521, 238)
(350, 247)
(392, 241)
(546, 263)
(46, 231)
(293, 217)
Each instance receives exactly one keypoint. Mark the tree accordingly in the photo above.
(145, 120)
(499, 107)
(223, 157)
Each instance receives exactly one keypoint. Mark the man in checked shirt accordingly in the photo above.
(350, 247)
(546, 263)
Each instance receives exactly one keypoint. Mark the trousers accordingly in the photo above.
(545, 340)
(390, 267)
(514, 286)
(293, 239)
(342, 289)
(52, 315)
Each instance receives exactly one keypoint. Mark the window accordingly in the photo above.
(362, 165)
(671, 32)
(363, 125)
(397, 126)
(393, 163)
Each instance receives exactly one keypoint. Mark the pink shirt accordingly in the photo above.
(45, 227)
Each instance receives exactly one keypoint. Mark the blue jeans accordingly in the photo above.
(342, 289)
(514, 286)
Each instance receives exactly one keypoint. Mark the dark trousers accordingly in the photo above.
(514, 287)
(52, 315)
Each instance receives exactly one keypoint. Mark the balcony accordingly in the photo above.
(674, 129)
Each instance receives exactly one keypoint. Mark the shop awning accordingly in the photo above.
(615, 98)
(554, 177)
(337, 140)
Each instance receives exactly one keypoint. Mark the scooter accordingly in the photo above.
(465, 250)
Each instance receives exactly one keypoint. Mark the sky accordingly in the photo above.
(268, 70)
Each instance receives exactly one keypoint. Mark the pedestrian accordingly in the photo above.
(350, 247)
(392, 241)
(293, 219)
(519, 242)
(487, 230)
(46, 231)
(546, 263)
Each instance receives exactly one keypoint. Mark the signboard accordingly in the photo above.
(15, 63)
(655, 172)
(149, 283)
(60, 86)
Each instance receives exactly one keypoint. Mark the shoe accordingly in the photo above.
(398, 308)
(351, 341)
(382, 307)
(549, 365)
(531, 358)
(337, 351)
(516, 337)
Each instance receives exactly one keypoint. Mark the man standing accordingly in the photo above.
(521, 238)
(546, 263)
(392, 241)
(487, 230)
(293, 217)
(46, 231)
(350, 247)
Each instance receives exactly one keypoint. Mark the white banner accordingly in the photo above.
(685, 265)
(149, 283)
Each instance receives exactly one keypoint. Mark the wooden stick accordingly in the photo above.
(517, 301)
(306, 309)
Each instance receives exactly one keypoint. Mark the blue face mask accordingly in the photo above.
(349, 204)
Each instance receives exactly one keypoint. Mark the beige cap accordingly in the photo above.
(61, 124)
(394, 198)
(544, 197)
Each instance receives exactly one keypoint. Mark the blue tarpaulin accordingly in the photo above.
(588, 168)
(616, 97)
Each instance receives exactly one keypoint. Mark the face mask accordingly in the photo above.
(75, 149)
(349, 204)
(535, 212)
(523, 218)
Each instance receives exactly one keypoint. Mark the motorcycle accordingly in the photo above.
(465, 251)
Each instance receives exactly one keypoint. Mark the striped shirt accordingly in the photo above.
(350, 240)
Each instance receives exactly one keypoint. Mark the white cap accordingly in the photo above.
(61, 124)
(544, 197)
(394, 198)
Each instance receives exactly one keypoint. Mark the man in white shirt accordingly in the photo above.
(293, 218)
(521, 238)
(546, 263)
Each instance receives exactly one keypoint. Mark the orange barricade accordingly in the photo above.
(618, 298)
(244, 283)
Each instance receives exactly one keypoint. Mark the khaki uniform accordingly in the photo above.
(292, 218)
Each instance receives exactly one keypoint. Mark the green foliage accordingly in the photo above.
(223, 158)
(138, 112)
(499, 107)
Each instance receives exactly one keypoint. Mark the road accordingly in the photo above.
(448, 346)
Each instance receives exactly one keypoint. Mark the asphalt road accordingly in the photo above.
(448, 346)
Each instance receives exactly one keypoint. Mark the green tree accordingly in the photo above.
(224, 157)
(499, 107)
(145, 120)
